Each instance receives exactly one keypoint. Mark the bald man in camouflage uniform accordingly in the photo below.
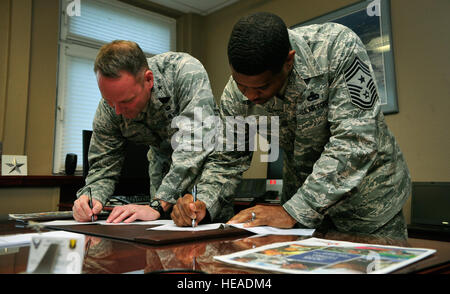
(141, 98)
(343, 169)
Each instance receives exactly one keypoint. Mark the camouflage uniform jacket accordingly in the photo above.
(181, 85)
(340, 159)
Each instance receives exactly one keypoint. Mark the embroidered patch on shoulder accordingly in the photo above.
(362, 88)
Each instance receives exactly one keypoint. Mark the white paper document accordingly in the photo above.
(103, 222)
(169, 225)
(262, 230)
(266, 230)
(25, 239)
(65, 223)
(15, 240)
(173, 227)
(153, 222)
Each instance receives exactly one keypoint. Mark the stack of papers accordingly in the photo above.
(169, 225)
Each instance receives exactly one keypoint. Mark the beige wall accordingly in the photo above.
(421, 32)
(28, 69)
(15, 53)
(28, 66)
(421, 40)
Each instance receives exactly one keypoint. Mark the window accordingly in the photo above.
(82, 34)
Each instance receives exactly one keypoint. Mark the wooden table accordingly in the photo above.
(110, 256)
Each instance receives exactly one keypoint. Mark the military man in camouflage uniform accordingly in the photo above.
(343, 169)
(141, 98)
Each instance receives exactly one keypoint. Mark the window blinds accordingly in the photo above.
(81, 36)
(102, 22)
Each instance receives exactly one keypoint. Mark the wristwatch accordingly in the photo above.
(156, 205)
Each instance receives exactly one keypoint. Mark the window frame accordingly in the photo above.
(84, 47)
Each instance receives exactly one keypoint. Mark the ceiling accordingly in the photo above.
(202, 7)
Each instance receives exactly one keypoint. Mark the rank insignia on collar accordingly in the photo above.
(362, 87)
(164, 100)
(313, 96)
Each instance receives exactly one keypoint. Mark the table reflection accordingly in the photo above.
(199, 256)
(111, 256)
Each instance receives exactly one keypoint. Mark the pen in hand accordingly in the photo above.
(194, 194)
(90, 203)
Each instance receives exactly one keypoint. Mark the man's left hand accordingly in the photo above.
(265, 215)
(131, 212)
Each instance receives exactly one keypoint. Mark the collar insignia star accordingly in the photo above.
(164, 100)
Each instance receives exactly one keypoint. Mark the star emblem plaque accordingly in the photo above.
(14, 165)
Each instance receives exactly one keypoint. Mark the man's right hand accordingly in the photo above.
(186, 209)
(81, 210)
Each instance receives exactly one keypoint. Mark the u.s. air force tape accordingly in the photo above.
(362, 88)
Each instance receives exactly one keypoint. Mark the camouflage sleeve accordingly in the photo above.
(158, 166)
(351, 149)
(105, 155)
(195, 100)
(223, 169)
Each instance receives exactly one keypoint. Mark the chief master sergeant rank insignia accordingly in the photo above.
(362, 88)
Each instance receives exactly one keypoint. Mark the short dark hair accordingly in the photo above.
(120, 55)
(258, 42)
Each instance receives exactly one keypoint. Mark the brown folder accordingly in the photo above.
(140, 234)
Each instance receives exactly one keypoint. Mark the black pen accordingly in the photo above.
(90, 202)
(194, 194)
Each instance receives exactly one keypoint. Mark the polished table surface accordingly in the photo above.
(111, 256)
